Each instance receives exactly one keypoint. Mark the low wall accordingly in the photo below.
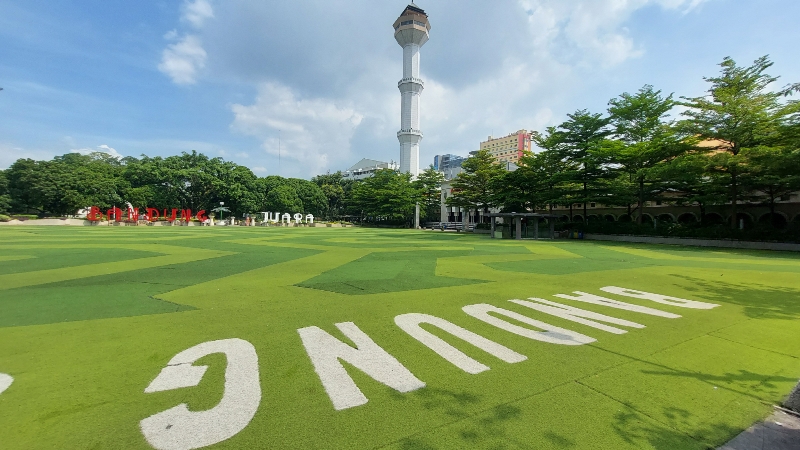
(695, 242)
(47, 222)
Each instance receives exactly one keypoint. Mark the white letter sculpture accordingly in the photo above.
(298, 218)
(309, 218)
(286, 218)
(180, 429)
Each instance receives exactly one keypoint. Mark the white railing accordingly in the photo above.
(411, 80)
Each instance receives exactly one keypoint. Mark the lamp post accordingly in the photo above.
(221, 204)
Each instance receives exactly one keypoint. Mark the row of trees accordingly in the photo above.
(71, 182)
(738, 143)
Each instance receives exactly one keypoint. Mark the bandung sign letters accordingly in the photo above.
(152, 215)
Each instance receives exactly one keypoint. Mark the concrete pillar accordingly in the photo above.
(416, 216)
(464, 219)
(519, 227)
(494, 219)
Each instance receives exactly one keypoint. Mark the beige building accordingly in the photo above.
(509, 148)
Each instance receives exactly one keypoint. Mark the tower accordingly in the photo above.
(411, 32)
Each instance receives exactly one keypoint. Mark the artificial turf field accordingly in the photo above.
(89, 317)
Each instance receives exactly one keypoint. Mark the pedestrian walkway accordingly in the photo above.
(781, 431)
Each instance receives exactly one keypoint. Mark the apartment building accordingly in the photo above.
(508, 149)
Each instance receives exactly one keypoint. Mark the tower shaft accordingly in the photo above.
(411, 32)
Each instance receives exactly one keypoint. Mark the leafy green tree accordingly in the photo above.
(773, 172)
(687, 178)
(429, 184)
(643, 139)
(579, 143)
(739, 112)
(312, 197)
(5, 198)
(474, 188)
(283, 198)
(336, 189)
(385, 196)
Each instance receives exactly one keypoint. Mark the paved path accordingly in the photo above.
(780, 431)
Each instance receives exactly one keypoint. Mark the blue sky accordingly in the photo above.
(229, 78)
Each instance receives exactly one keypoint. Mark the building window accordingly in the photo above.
(658, 202)
(786, 198)
(592, 205)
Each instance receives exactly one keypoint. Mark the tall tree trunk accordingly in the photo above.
(640, 205)
(772, 208)
(734, 199)
(585, 218)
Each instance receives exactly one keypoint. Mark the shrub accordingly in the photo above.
(4, 218)
(24, 217)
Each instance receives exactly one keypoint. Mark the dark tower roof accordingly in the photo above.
(414, 8)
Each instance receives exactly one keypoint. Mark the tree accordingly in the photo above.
(579, 142)
(773, 172)
(429, 185)
(283, 198)
(5, 199)
(739, 112)
(337, 191)
(643, 139)
(312, 197)
(474, 188)
(385, 196)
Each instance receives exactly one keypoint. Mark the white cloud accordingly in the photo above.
(259, 169)
(590, 30)
(313, 132)
(99, 149)
(182, 60)
(196, 12)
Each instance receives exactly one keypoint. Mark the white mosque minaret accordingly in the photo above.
(411, 32)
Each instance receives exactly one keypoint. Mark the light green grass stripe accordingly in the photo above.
(15, 257)
(174, 255)
(771, 261)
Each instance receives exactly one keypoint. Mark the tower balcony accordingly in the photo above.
(411, 80)
(409, 131)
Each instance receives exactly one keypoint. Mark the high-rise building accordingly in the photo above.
(411, 32)
(449, 165)
(509, 148)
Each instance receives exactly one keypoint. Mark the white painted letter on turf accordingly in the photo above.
(410, 324)
(658, 298)
(577, 315)
(552, 335)
(325, 351)
(5, 382)
(597, 300)
(180, 429)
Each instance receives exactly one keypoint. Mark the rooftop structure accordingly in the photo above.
(366, 167)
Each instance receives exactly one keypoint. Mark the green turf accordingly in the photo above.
(89, 316)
